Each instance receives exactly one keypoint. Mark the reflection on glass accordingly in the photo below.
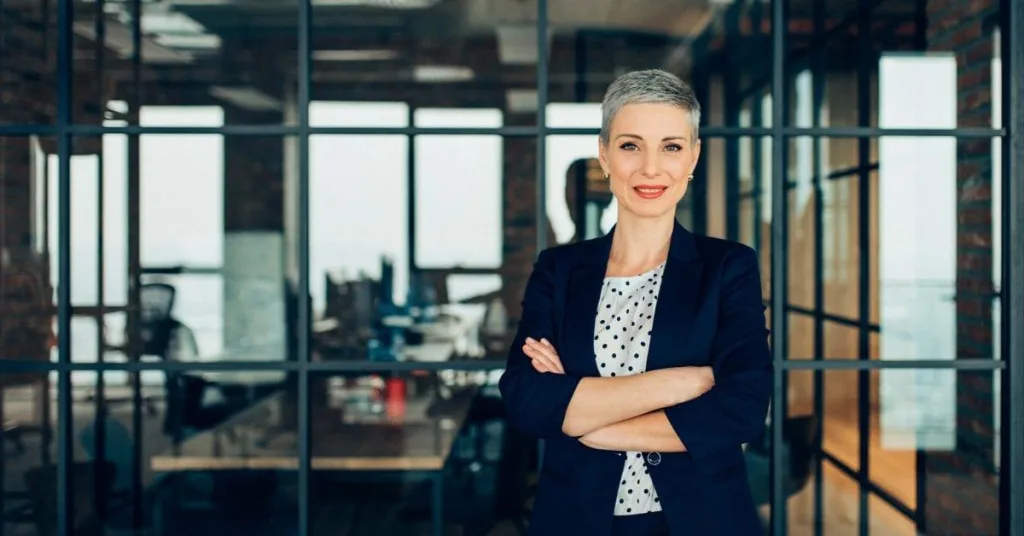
(917, 268)
(28, 463)
(948, 453)
(358, 182)
(910, 31)
(573, 168)
(226, 58)
(412, 452)
(458, 190)
(369, 298)
(210, 235)
(931, 224)
(429, 54)
(207, 453)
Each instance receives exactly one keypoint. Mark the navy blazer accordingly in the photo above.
(710, 312)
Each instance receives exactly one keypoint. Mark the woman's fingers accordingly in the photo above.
(540, 366)
(541, 360)
(554, 355)
(544, 351)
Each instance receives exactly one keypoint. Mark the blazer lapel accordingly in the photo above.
(583, 295)
(677, 303)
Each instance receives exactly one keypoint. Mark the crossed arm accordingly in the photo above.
(624, 413)
(699, 410)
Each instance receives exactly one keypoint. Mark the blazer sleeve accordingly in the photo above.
(732, 412)
(536, 403)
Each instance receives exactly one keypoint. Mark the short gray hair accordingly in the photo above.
(652, 86)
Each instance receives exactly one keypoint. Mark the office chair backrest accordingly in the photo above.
(156, 323)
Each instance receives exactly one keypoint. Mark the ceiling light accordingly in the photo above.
(247, 98)
(354, 55)
(517, 44)
(168, 22)
(194, 42)
(389, 4)
(442, 73)
(521, 100)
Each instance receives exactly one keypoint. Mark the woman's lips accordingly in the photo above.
(649, 191)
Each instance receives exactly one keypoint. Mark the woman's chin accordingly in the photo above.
(651, 210)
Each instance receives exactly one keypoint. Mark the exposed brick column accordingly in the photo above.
(253, 176)
(518, 215)
(961, 488)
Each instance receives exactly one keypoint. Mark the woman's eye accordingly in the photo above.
(628, 146)
(673, 148)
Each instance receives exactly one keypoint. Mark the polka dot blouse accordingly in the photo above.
(621, 339)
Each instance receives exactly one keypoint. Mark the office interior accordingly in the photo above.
(262, 261)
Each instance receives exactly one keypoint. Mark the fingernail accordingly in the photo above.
(529, 339)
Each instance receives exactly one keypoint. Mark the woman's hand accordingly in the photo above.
(543, 356)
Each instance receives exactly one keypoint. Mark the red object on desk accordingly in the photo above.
(395, 396)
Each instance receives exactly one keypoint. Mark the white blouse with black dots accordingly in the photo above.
(622, 337)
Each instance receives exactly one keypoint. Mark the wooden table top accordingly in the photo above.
(265, 437)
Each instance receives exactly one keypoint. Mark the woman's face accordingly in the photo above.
(650, 156)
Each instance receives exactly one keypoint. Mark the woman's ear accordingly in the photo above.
(602, 155)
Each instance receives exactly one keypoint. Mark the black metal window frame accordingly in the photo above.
(1011, 294)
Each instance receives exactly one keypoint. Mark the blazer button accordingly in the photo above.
(653, 458)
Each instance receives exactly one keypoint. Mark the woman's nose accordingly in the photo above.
(650, 165)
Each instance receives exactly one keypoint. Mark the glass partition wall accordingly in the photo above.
(262, 263)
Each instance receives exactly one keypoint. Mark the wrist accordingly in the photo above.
(666, 385)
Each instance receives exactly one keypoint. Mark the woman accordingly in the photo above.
(642, 356)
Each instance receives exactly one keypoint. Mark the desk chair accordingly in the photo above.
(164, 337)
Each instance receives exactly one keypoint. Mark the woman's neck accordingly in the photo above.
(639, 244)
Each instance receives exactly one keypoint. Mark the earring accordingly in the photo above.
(691, 178)
(607, 176)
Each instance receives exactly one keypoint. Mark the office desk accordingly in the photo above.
(264, 437)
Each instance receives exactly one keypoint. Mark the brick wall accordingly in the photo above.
(518, 214)
(253, 176)
(961, 488)
(26, 96)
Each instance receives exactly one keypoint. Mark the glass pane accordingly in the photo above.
(951, 47)
(801, 336)
(593, 44)
(27, 94)
(358, 278)
(442, 169)
(427, 54)
(212, 449)
(28, 463)
(238, 58)
(27, 290)
(801, 186)
(839, 513)
(572, 169)
(736, 184)
(840, 223)
(212, 246)
(932, 218)
(392, 451)
(931, 432)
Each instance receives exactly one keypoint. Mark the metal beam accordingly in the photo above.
(304, 323)
(779, 266)
(65, 421)
(1012, 300)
